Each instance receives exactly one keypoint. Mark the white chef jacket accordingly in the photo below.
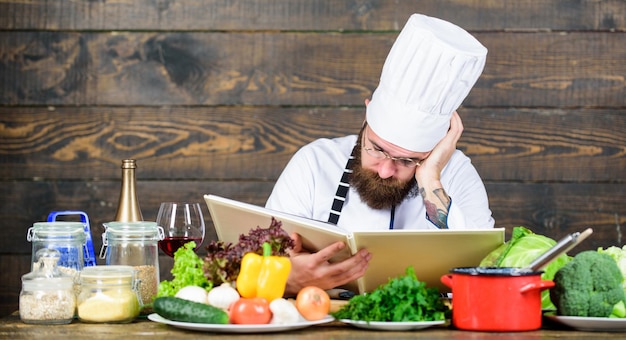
(308, 184)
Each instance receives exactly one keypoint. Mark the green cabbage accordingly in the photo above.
(523, 248)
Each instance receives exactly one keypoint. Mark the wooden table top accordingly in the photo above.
(12, 328)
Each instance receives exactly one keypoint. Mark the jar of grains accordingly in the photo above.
(108, 294)
(135, 244)
(47, 295)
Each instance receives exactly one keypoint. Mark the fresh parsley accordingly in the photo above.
(403, 298)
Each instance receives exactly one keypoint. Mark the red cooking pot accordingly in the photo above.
(496, 299)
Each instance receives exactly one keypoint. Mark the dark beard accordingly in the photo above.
(376, 192)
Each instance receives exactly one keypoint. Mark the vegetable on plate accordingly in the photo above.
(187, 271)
(248, 311)
(223, 260)
(193, 293)
(588, 286)
(263, 276)
(619, 255)
(313, 303)
(284, 312)
(222, 296)
(177, 309)
(401, 299)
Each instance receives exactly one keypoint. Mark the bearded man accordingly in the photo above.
(403, 170)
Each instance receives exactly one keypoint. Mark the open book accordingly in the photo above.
(432, 253)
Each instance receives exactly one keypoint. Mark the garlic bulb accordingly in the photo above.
(223, 296)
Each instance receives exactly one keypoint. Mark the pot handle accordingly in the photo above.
(447, 280)
(541, 285)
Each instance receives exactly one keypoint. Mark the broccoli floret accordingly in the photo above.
(619, 310)
(589, 285)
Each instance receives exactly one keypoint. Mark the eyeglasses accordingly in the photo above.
(404, 161)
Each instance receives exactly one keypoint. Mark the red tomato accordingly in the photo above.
(250, 311)
(313, 303)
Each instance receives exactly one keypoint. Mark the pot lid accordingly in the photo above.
(493, 271)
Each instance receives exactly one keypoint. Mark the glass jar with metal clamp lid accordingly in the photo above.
(108, 294)
(66, 237)
(47, 295)
(135, 244)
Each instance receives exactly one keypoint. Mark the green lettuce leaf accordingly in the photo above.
(187, 271)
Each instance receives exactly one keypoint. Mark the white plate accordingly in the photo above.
(590, 324)
(392, 326)
(230, 328)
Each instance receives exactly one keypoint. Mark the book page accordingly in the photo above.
(233, 218)
(432, 253)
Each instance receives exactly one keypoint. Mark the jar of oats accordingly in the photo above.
(135, 244)
(47, 295)
(108, 294)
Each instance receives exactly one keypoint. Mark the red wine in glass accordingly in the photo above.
(169, 245)
(181, 222)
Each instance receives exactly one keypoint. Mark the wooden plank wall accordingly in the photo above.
(215, 96)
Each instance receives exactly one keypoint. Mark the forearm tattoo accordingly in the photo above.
(437, 211)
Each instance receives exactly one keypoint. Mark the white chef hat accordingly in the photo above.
(429, 71)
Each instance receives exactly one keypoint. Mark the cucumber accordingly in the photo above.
(177, 309)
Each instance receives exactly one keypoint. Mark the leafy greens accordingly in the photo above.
(523, 248)
(223, 260)
(187, 271)
(403, 298)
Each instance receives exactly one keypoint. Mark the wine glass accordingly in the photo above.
(181, 222)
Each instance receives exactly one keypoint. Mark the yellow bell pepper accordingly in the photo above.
(263, 276)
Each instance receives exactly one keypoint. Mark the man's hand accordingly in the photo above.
(431, 167)
(314, 269)
(428, 175)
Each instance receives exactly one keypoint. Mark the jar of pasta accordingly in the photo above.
(108, 294)
(47, 295)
